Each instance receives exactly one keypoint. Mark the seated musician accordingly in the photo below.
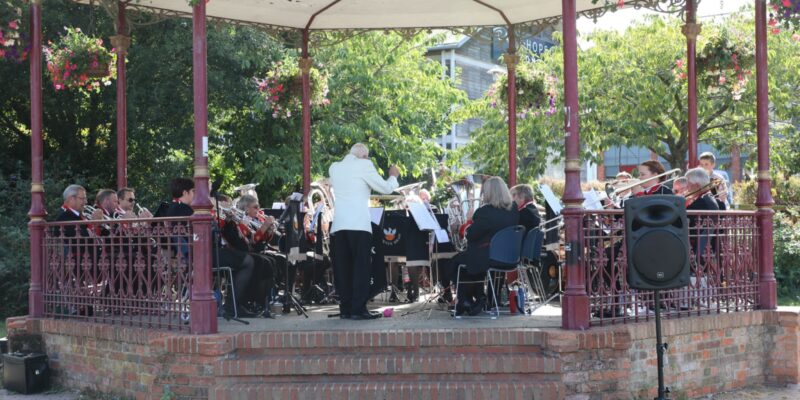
(425, 198)
(679, 186)
(698, 197)
(127, 203)
(72, 210)
(497, 212)
(76, 240)
(242, 264)
(251, 235)
(648, 170)
(522, 195)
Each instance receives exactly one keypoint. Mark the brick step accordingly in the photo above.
(385, 364)
(499, 390)
(268, 343)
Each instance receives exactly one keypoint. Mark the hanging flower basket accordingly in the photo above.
(725, 62)
(78, 61)
(784, 13)
(13, 45)
(535, 92)
(281, 90)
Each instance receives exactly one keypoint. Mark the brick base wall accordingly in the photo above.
(707, 354)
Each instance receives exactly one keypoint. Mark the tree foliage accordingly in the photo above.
(632, 93)
(383, 91)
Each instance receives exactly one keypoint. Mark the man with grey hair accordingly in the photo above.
(353, 179)
(529, 217)
(72, 210)
(697, 181)
(679, 186)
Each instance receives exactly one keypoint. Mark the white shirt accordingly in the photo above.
(353, 179)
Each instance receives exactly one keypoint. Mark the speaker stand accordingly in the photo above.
(660, 349)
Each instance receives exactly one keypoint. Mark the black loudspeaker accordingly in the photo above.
(657, 233)
(25, 373)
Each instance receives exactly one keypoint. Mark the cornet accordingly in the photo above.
(88, 211)
(141, 210)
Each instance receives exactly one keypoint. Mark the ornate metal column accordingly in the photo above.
(691, 29)
(37, 211)
(305, 68)
(203, 312)
(575, 313)
(121, 43)
(767, 287)
(512, 59)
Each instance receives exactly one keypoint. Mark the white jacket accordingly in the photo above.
(353, 179)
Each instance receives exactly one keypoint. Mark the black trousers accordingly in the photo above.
(351, 269)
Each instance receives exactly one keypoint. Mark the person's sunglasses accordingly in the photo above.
(132, 201)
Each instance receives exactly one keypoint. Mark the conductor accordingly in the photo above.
(353, 179)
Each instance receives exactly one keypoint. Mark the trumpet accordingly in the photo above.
(558, 220)
(233, 213)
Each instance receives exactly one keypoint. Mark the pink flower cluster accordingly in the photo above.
(11, 41)
(80, 62)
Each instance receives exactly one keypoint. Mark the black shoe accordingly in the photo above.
(478, 307)
(366, 315)
(463, 307)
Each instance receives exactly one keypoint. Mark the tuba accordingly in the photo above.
(461, 207)
(320, 196)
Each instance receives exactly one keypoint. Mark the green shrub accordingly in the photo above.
(787, 255)
(785, 193)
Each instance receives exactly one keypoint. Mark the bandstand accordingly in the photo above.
(725, 326)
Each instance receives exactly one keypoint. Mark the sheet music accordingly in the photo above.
(550, 198)
(277, 205)
(592, 200)
(442, 236)
(423, 217)
(376, 215)
(315, 218)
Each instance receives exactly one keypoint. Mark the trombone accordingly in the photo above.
(692, 196)
(615, 194)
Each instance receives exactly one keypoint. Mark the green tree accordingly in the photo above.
(632, 92)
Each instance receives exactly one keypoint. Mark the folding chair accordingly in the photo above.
(504, 255)
(531, 265)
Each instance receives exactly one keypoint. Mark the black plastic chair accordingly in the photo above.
(531, 255)
(505, 249)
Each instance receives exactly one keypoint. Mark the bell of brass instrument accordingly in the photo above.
(461, 206)
(407, 191)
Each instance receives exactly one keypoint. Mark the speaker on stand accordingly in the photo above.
(657, 242)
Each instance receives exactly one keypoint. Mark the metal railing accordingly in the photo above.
(129, 272)
(723, 262)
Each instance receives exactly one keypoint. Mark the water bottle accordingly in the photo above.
(406, 277)
(521, 300)
(512, 301)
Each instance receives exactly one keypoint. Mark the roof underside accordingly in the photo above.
(372, 14)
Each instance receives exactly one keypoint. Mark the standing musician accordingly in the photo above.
(721, 191)
(497, 212)
(353, 179)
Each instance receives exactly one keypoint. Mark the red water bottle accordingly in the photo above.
(512, 301)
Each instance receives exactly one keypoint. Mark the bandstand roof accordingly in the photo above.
(370, 14)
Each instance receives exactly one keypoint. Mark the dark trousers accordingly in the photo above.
(351, 268)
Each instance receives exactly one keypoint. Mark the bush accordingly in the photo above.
(785, 192)
(787, 255)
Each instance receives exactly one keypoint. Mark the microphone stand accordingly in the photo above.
(216, 234)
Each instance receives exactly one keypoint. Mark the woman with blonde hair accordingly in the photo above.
(496, 213)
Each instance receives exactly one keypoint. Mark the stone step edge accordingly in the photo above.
(393, 390)
(389, 364)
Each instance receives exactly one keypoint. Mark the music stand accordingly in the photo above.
(290, 221)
